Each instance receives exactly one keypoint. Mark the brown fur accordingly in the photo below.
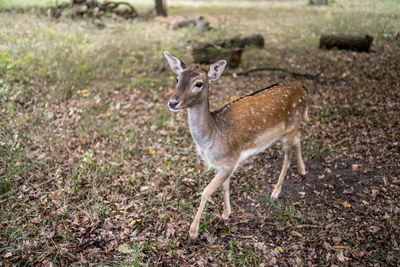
(241, 122)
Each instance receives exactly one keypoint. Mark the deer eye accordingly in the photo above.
(199, 84)
(176, 79)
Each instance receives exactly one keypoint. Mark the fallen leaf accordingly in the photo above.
(261, 246)
(125, 248)
(346, 204)
(151, 150)
(134, 222)
(327, 246)
(144, 188)
(341, 257)
(295, 233)
(170, 232)
(84, 92)
(373, 229)
(53, 194)
(336, 239)
(8, 254)
(189, 181)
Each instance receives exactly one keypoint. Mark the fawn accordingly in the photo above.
(229, 134)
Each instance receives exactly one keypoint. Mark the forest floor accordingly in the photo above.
(95, 169)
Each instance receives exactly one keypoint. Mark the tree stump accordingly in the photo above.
(228, 49)
(360, 43)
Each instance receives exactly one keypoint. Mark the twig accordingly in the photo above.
(296, 74)
(307, 226)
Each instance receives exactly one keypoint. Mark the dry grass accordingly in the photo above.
(89, 149)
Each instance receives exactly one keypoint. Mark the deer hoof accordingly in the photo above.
(275, 195)
(225, 216)
(193, 232)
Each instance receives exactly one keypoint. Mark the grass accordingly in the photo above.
(86, 137)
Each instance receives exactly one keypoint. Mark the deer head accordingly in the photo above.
(192, 83)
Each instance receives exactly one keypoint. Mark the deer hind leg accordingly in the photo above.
(217, 181)
(227, 204)
(288, 142)
(300, 163)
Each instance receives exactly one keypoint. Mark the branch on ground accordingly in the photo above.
(295, 74)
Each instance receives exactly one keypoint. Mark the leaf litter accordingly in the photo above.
(131, 198)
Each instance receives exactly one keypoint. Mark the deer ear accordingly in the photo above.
(175, 63)
(216, 70)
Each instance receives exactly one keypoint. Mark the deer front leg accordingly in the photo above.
(227, 203)
(216, 182)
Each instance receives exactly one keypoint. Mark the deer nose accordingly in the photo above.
(173, 104)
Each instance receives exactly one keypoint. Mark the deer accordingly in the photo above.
(229, 134)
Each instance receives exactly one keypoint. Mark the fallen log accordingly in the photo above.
(206, 53)
(92, 8)
(360, 43)
(319, 2)
(293, 73)
(228, 49)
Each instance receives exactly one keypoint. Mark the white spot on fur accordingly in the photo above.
(294, 104)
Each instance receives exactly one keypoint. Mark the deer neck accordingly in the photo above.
(201, 124)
